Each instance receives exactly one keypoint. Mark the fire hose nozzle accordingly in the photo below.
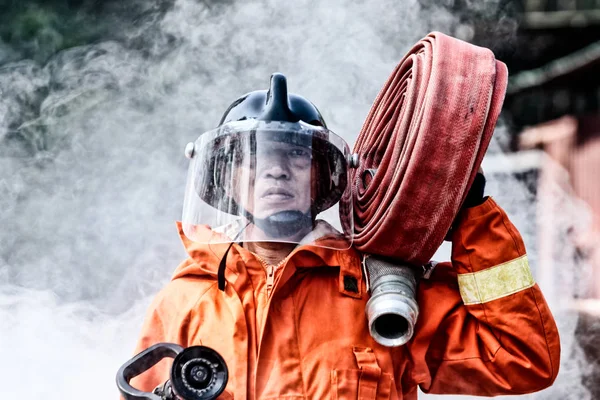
(197, 373)
(392, 310)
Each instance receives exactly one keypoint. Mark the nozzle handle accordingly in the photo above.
(141, 363)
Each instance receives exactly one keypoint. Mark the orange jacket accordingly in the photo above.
(484, 327)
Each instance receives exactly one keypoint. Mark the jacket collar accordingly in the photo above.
(207, 257)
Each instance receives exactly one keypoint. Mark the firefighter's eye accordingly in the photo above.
(299, 153)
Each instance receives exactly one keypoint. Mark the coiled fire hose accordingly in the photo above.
(419, 151)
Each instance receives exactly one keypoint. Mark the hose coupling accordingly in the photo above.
(392, 310)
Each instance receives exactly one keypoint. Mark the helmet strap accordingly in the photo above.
(223, 262)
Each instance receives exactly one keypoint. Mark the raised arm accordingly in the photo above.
(484, 327)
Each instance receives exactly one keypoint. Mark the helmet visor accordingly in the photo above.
(257, 181)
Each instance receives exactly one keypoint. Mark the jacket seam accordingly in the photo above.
(545, 336)
(468, 358)
(158, 312)
(189, 312)
(200, 296)
(517, 247)
(491, 359)
(512, 392)
(185, 323)
(300, 358)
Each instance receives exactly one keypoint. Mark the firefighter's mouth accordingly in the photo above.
(277, 193)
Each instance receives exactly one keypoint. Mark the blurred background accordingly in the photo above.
(99, 98)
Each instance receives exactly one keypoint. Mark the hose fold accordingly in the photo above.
(422, 144)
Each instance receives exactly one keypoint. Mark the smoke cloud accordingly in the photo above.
(92, 170)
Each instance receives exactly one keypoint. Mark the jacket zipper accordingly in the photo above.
(270, 279)
(270, 270)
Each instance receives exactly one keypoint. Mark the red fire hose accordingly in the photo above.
(422, 144)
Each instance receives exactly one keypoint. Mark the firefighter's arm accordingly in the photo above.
(484, 326)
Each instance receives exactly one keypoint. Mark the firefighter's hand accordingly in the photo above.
(474, 198)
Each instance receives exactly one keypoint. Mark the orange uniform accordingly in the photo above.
(299, 331)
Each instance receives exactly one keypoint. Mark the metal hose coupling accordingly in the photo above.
(392, 310)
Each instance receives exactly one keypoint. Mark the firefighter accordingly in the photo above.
(273, 284)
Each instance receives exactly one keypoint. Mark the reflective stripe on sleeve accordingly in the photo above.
(495, 282)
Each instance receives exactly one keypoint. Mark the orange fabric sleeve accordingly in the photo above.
(155, 329)
(484, 326)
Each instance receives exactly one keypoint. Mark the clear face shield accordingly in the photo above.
(259, 181)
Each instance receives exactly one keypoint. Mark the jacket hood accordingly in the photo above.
(203, 258)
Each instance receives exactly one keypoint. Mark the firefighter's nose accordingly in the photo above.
(276, 170)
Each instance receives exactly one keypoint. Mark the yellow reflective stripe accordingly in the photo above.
(495, 282)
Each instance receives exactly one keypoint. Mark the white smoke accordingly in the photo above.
(92, 169)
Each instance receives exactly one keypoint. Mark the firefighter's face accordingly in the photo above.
(277, 178)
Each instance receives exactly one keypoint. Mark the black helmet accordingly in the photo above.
(304, 126)
(274, 104)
